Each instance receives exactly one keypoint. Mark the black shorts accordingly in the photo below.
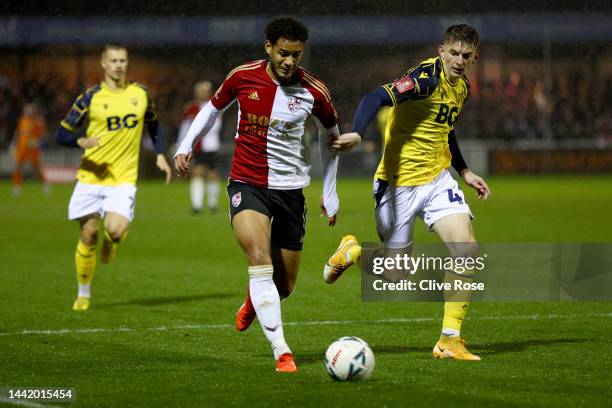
(208, 159)
(286, 209)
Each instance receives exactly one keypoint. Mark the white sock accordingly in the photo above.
(266, 301)
(85, 290)
(213, 193)
(448, 332)
(196, 192)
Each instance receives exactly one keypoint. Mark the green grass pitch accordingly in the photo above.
(160, 329)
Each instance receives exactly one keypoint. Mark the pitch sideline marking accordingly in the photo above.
(303, 323)
(24, 403)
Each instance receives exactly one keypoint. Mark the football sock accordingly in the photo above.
(85, 261)
(107, 237)
(212, 189)
(354, 254)
(196, 192)
(454, 312)
(266, 302)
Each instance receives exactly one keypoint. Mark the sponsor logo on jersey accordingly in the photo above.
(129, 121)
(404, 84)
(254, 96)
(236, 199)
(294, 103)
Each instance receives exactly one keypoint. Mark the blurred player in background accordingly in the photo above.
(30, 131)
(204, 174)
(412, 177)
(269, 169)
(107, 121)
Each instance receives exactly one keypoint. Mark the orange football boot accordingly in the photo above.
(286, 364)
(246, 314)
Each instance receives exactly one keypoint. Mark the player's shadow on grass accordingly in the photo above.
(480, 349)
(316, 357)
(516, 346)
(169, 300)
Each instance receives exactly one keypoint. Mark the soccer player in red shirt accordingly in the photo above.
(204, 173)
(270, 167)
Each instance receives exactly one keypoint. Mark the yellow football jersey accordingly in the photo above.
(425, 109)
(117, 118)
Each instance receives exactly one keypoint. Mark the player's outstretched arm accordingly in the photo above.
(367, 110)
(202, 123)
(329, 202)
(344, 142)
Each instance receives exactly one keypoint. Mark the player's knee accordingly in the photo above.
(89, 235)
(467, 247)
(462, 235)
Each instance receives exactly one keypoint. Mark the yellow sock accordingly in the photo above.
(355, 254)
(108, 238)
(85, 260)
(454, 313)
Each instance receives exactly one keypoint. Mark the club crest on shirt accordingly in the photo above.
(134, 101)
(294, 103)
(236, 199)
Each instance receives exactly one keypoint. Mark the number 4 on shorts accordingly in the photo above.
(452, 197)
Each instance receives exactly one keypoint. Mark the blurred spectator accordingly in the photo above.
(515, 105)
(31, 130)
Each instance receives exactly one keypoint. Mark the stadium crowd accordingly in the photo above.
(516, 106)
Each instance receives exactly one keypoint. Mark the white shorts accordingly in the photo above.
(92, 198)
(397, 207)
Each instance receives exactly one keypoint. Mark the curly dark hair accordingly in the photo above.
(461, 33)
(286, 27)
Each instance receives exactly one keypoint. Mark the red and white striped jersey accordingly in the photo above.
(271, 150)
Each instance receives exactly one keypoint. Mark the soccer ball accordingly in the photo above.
(349, 358)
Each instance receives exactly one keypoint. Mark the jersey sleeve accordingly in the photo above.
(78, 114)
(323, 109)
(226, 94)
(417, 83)
(151, 112)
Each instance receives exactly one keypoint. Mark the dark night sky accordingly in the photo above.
(299, 7)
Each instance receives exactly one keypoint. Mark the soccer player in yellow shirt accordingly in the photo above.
(107, 121)
(412, 177)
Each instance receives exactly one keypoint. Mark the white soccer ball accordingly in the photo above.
(349, 358)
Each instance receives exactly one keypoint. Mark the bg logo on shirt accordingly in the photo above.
(447, 115)
(116, 122)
